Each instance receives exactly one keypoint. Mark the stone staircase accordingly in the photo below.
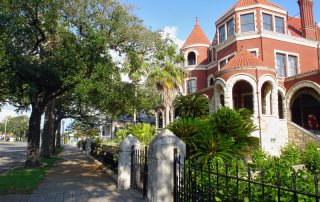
(301, 136)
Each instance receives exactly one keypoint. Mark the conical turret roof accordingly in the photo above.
(197, 36)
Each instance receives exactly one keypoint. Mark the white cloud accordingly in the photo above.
(9, 110)
(171, 32)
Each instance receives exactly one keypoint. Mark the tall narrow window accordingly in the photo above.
(267, 22)
(279, 24)
(192, 86)
(191, 58)
(230, 28)
(222, 34)
(281, 65)
(247, 22)
(292, 65)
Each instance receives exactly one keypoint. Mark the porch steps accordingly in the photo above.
(300, 136)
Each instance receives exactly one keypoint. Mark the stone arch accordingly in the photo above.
(229, 94)
(308, 86)
(266, 98)
(219, 93)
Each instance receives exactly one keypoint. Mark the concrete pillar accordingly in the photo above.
(124, 163)
(88, 145)
(157, 119)
(160, 166)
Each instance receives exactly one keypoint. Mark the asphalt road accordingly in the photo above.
(12, 154)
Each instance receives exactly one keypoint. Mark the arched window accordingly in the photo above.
(242, 95)
(191, 58)
(211, 81)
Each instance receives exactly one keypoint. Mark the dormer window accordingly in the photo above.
(222, 33)
(267, 22)
(247, 22)
(191, 58)
(279, 24)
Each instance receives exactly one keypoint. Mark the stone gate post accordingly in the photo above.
(124, 162)
(160, 166)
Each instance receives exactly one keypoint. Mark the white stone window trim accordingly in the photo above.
(225, 58)
(274, 21)
(254, 20)
(186, 84)
(225, 24)
(287, 54)
(254, 49)
(196, 52)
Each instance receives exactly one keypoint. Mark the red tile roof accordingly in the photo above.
(295, 28)
(197, 36)
(243, 59)
(242, 3)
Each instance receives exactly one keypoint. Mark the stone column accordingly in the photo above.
(160, 166)
(88, 145)
(124, 163)
(157, 119)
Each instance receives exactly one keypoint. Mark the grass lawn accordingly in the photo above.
(24, 181)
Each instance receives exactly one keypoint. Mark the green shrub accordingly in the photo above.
(142, 131)
(311, 157)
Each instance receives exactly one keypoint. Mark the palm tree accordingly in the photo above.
(167, 77)
(227, 136)
(192, 106)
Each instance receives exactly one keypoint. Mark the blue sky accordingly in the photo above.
(179, 15)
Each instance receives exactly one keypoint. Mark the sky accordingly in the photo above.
(177, 17)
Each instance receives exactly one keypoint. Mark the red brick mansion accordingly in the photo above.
(264, 60)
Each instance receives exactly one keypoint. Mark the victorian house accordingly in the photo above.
(264, 60)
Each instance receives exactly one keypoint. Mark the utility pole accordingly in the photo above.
(5, 126)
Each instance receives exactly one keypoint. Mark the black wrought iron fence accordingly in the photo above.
(107, 154)
(139, 170)
(215, 181)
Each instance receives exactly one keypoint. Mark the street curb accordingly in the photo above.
(12, 168)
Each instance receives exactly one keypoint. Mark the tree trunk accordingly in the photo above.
(58, 131)
(33, 158)
(167, 114)
(52, 129)
(47, 131)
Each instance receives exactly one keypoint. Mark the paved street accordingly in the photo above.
(11, 154)
(76, 178)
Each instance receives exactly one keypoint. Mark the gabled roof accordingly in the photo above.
(243, 59)
(242, 3)
(197, 36)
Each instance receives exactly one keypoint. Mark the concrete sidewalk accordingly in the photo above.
(76, 178)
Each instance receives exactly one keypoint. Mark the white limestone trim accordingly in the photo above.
(196, 45)
(229, 88)
(262, 6)
(268, 35)
(254, 18)
(295, 88)
(274, 94)
(284, 16)
(254, 49)
(195, 67)
(225, 58)
(195, 51)
(287, 54)
(216, 96)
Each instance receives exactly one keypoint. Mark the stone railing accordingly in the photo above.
(300, 136)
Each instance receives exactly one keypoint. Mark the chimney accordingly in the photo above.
(309, 30)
